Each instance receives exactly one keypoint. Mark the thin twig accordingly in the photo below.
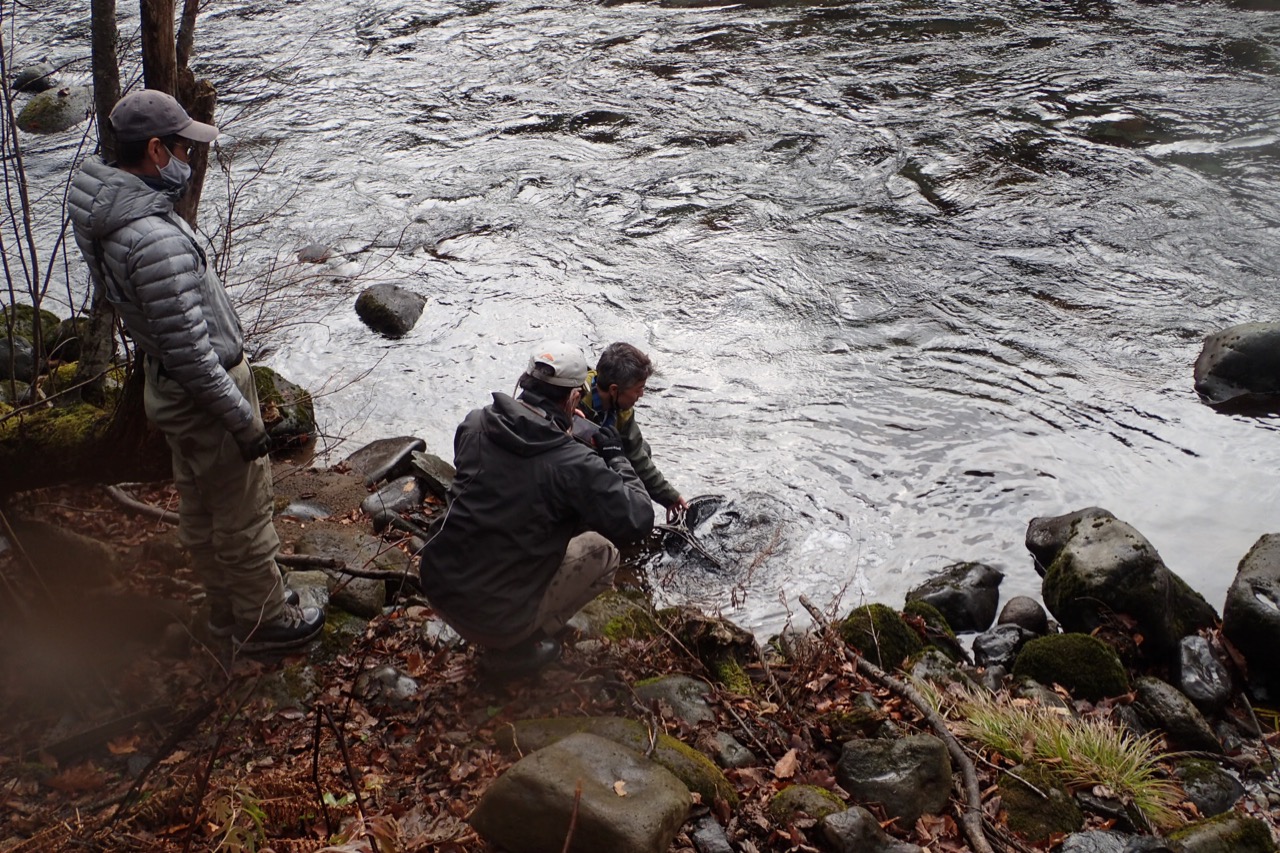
(351, 777)
(118, 494)
(573, 817)
(971, 818)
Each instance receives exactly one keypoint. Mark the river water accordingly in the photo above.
(912, 272)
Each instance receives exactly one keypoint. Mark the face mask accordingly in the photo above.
(175, 174)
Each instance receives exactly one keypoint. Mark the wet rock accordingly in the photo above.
(1047, 535)
(385, 458)
(880, 634)
(436, 634)
(17, 360)
(314, 253)
(911, 776)
(937, 633)
(993, 677)
(1106, 568)
(1251, 615)
(1228, 833)
(1212, 789)
(1162, 705)
(400, 495)
(1086, 666)
(434, 473)
(363, 597)
(695, 770)
(1026, 613)
(730, 753)
(856, 830)
(1201, 676)
(56, 110)
(389, 309)
(965, 593)
(529, 808)
(389, 687)
(685, 696)
(1240, 365)
(935, 667)
(1000, 646)
(708, 836)
(37, 77)
(803, 799)
(288, 411)
(20, 321)
(1038, 814)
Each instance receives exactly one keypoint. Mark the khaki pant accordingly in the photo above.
(224, 518)
(587, 570)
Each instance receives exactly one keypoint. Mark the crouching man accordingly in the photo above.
(528, 536)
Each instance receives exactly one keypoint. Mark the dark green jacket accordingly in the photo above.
(637, 449)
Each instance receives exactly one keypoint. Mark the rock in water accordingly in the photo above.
(56, 110)
(1240, 366)
(1251, 614)
(389, 309)
(965, 593)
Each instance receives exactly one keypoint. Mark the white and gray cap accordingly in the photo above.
(139, 116)
(568, 367)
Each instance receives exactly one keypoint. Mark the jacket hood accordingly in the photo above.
(519, 428)
(104, 198)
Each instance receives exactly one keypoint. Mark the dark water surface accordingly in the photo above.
(913, 272)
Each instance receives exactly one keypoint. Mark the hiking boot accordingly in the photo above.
(222, 619)
(296, 626)
(524, 659)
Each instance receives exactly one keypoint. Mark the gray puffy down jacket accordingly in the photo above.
(152, 268)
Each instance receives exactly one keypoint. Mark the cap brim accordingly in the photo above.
(199, 132)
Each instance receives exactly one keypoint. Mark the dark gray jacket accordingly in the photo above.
(523, 489)
(154, 271)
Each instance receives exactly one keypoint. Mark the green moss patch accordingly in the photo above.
(880, 634)
(816, 802)
(1084, 665)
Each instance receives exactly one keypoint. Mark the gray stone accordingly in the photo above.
(626, 803)
(1163, 706)
(1240, 366)
(1225, 834)
(1047, 535)
(1000, 646)
(403, 494)
(1201, 676)
(353, 548)
(1025, 612)
(17, 360)
(56, 110)
(305, 511)
(993, 677)
(436, 474)
(911, 776)
(1094, 841)
(687, 697)
(811, 800)
(314, 253)
(1251, 615)
(1043, 696)
(1212, 789)
(935, 667)
(363, 597)
(965, 593)
(708, 836)
(389, 687)
(384, 459)
(1107, 567)
(856, 830)
(37, 77)
(389, 309)
(436, 634)
(731, 754)
(288, 412)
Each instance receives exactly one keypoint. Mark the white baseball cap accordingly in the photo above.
(568, 365)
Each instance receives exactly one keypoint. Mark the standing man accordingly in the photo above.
(533, 516)
(199, 390)
(609, 398)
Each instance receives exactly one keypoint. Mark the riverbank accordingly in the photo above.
(128, 728)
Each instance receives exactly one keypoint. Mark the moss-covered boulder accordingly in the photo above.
(618, 614)
(1038, 814)
(811, 800)
(1251, 614)
(288, 411)
(695, 770)
(47, 445)
(880, 634)
(1084, 665)
(1226, 833)
(56, 110)
(1107, 568)
(23, 319)
(724, 649)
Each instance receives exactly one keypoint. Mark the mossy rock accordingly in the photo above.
(858, 721)
(1085, 666)
(724, 648)
(1034, 816)
(938, 633)
(1226, 833)
(695, 770)
(288, 412)
(816, 802)
(879, 633)
(59, 379)
(56, 110)
(24, 320)
(619, 615)
(52, 433)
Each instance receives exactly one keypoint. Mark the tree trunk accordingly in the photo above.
(199, 98)
(159, 50)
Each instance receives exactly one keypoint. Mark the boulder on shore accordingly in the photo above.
(1105, 568)
(1240, 366)
(287, 409)
(56, 110)
(389, 309)
(965, 593)
(1251, 614)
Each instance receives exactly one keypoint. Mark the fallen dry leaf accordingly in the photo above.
(786, 766)
(124, 745)
(620, 788)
